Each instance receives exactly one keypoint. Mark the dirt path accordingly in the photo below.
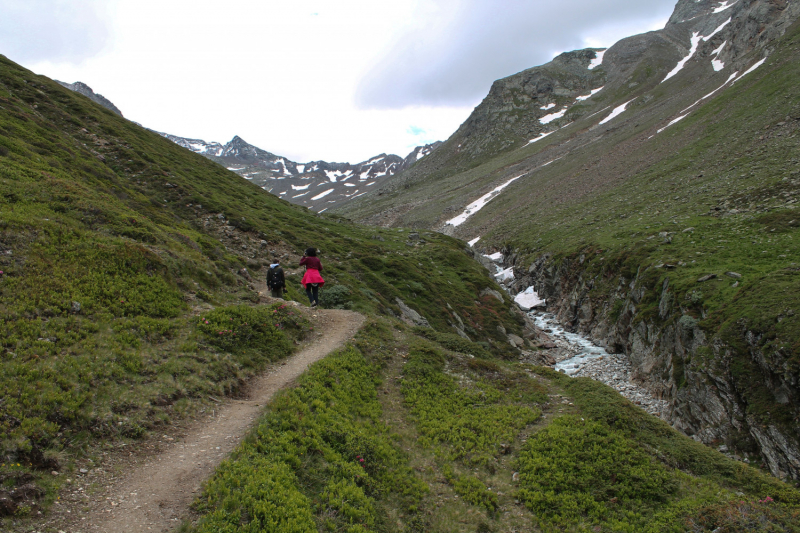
(157, 495)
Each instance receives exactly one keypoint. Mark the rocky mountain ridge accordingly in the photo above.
(81, 88)
(318, 185)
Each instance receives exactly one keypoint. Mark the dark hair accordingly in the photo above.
(311, 252)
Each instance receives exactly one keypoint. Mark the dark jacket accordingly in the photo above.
(275, 278)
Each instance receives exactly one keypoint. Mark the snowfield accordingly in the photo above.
(598, 60)
(478, 204)
(617, 111)
(547, 119)
(528, 299)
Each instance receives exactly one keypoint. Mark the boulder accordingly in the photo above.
(410, 316)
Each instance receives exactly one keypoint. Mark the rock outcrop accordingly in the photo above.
(697, 372)
(85, 90)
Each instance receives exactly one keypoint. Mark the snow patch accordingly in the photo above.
(617, 111)
(322, 194)
(594, 92)
(751, 69)
(695, 41)
(547, 119)
(719, 29)
(301, 187)
(548, 107)
(540, 137)
(730, 78)
(598, 60)
(300, 195)
(478, 204)
(724, 5)
(474, 241)
(504, 275)
(497, 256)
(528, 299)
(300, 168)
(333, 175)
(673, 122)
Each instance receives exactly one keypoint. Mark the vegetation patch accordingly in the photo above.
(320, 459)
(466, 418)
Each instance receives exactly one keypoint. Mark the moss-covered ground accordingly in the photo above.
(400, 433)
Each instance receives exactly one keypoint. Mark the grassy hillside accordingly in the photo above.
(410, 430)
(130, 268)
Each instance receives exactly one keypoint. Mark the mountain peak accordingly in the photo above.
(81, 88)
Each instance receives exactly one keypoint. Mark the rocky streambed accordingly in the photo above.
(578, 356)
(573, 353)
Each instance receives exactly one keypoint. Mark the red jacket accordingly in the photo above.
(313, 266)
(311, 262)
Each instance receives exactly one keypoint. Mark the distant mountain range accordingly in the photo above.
(318, 185)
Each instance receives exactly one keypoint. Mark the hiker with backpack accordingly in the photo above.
(276, 281)
(312, 280)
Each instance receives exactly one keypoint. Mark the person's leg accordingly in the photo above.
(309, 294)
(316, 294)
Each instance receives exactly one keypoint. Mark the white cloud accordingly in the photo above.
(285, 75)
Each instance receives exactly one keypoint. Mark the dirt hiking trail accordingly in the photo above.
(157, 494)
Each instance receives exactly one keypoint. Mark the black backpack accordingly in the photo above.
(275, 277)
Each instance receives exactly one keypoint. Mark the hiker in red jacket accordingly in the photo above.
(312, 280)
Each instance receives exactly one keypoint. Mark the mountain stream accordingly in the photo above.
(577, 356)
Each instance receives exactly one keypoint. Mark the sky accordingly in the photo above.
(332, 80)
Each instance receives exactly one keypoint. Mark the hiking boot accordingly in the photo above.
(313, 304)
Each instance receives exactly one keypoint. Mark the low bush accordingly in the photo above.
(577, 470)
(320, 459)
(335, 297)
(244, 329)
(469, 419)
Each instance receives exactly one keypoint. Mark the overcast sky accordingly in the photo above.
(337, 80)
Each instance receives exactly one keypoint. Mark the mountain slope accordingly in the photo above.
(657, 215)
(318, 185)
(85, 90)
(129, 270)
(128, 299)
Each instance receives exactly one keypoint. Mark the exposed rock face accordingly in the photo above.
(410, 316)
(673, 357)
(85, 90)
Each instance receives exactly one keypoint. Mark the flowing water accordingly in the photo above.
(578, 356)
